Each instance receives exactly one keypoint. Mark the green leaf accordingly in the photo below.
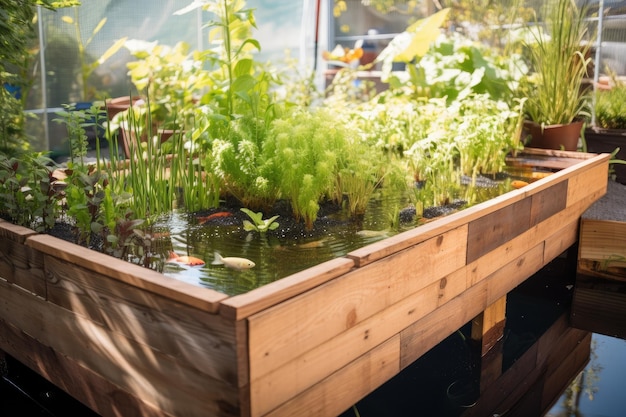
(425, 32)
(249, 227)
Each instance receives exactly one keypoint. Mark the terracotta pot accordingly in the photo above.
(119, 104)
(560, 137)
(129, 136)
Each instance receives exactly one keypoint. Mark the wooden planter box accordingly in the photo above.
(128, 341)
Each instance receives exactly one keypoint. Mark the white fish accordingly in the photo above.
(373, 233)
(233, 262)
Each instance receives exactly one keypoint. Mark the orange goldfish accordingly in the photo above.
(518, 184)
(204, 219)
(185, 260)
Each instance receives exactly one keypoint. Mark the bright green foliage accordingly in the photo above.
(171, 77)
(488, 131)
(473, 135)
(239, 162)
(559, 58)
(361, 172)
(455, 68)
(610, 108)
(303, 153)
(413, 43)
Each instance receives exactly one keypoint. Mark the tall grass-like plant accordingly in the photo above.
(559, 57)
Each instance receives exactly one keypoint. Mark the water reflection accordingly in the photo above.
(541, 362)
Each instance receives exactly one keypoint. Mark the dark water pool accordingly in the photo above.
(444, 382)
(280, 253)
(602, 383)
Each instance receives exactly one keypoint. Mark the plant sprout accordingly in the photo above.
(259, 224)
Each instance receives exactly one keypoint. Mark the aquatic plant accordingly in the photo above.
(302, 155)
(259, 224)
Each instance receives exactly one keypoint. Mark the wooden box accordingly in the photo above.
(128, 341)
(599, 302)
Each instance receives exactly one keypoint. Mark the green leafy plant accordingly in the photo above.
(610, 107)
(29, 195)
(258, 223)
(16, 60)
(173, 79)
(413, 43)
(559, 59)
(84, 195)
(302, 154)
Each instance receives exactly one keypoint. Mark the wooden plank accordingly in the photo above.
(318, 363)
(505, 279)
(137, 276)
(549, 202)
(490, 231)
(192, 336)
(14, 232)
(161, 380)
(347, 386)
(548, 158)
(22, 266)
(308, 320)
(603, 240)
(561, 240)
(599, 308)
(589, 179)
(73, 378)
(19, 264)
(421, 336)
(401, 241)
(244, 305)
(611, 269)
(488, 326)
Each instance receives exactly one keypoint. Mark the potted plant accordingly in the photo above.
(557, 101)
(609, 131)
(168, 81)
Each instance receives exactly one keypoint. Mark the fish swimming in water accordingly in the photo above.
(373, 233)
(517, 184)
(185, 260)
(233, 262)
(219, 214)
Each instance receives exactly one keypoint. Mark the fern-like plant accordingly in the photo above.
(302, 154)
